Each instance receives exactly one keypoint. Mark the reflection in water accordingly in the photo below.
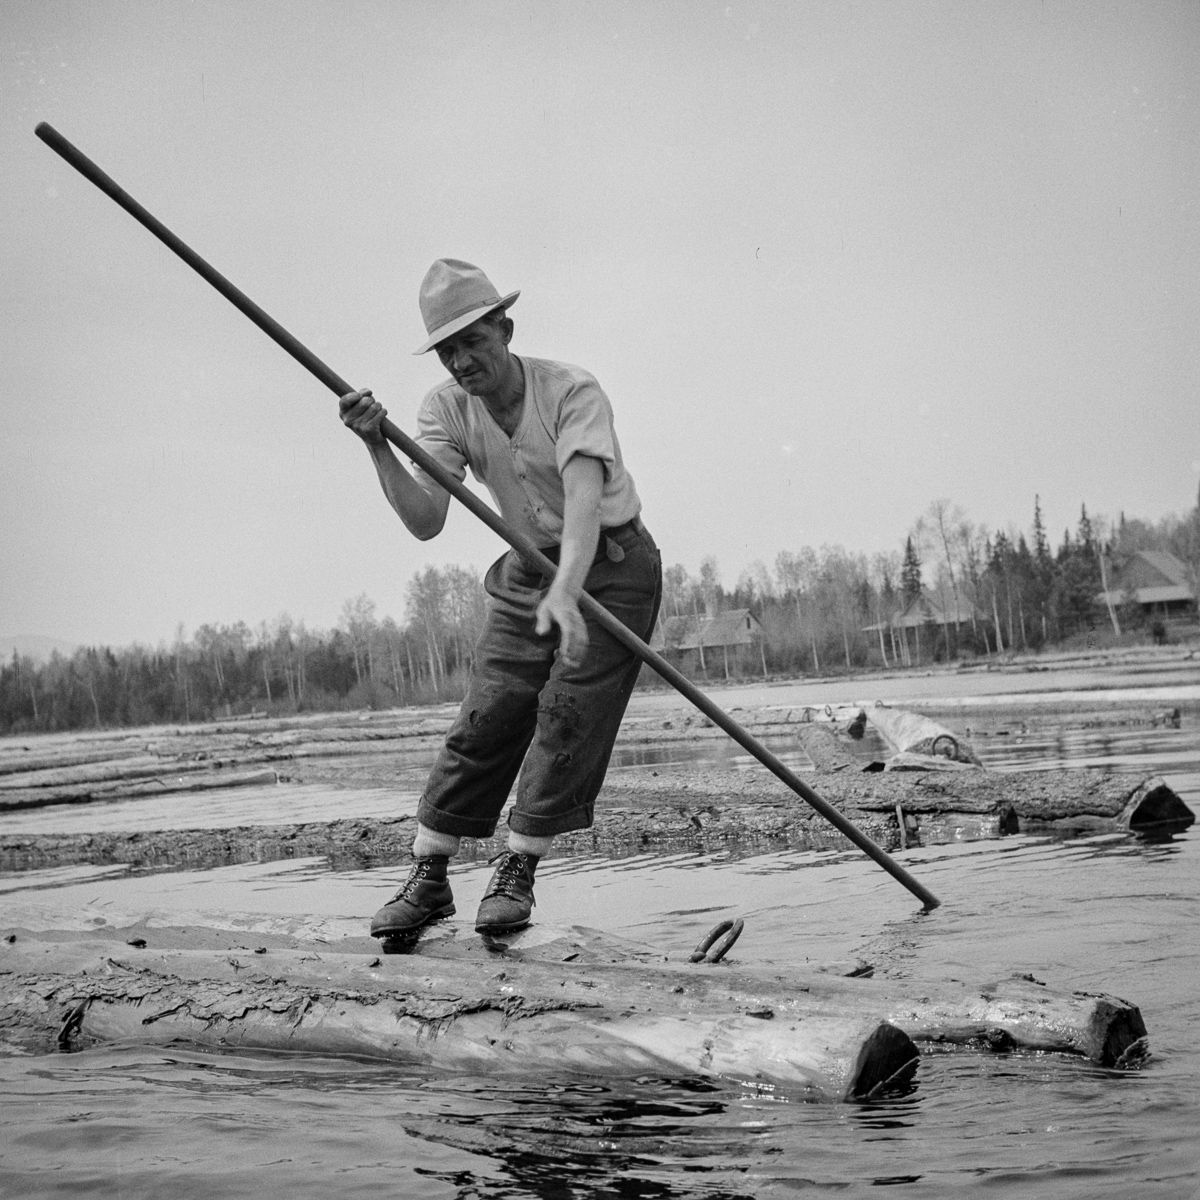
(586, 1139)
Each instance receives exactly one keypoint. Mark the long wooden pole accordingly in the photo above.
(464, 495)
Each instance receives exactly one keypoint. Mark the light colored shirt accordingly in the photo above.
(566, 413)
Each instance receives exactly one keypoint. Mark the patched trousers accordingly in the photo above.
(527, 712)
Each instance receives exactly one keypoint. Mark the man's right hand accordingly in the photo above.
(362, 414)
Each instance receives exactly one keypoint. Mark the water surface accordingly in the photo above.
(1107, 912)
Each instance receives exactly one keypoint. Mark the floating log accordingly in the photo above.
(555, 1001)
(76, 767)
(910, 733)
(1023, 1013)
(1032, 800)
(109, 765)
(498, 1013)
(705, 811)
(136, 784)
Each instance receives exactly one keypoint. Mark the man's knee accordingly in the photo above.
(494, 712)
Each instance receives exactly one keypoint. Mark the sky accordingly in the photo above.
(830, 261)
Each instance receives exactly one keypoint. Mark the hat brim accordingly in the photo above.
(468, 318)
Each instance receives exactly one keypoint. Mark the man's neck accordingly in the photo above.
(511, 392)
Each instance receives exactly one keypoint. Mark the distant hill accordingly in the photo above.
(30, 645)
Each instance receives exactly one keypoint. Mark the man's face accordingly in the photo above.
(477, 356)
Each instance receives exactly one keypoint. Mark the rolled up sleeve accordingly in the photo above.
(437, 437)
(585, 426)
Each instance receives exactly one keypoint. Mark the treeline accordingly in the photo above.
(279, 668)
(820, 611)
(978, 592)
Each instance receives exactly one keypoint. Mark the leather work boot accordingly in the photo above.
(424, 897)
(508, 902)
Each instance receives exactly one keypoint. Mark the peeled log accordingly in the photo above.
(910, 733)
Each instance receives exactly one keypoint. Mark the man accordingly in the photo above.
(548, 687)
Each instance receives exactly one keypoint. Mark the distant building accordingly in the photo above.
(1155, 581)
(920, 613)
(731, 641)
(928, 609)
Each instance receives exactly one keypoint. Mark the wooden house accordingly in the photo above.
(903, 629)
(1155, 581)
(730, 642)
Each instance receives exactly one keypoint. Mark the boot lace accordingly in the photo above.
(420, 872)
(513, 877)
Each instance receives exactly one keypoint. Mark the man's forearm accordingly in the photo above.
(423, 517)
(584, 484)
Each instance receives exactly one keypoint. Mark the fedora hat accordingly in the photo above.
(453, 294)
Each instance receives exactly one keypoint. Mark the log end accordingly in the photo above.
(1155, 808)
(1115, 1035)
(885, 1064)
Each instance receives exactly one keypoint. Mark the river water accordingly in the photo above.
(1108, 912)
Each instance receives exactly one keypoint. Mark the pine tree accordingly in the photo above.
(1041, 544)
(1086, 537)
(910, 572)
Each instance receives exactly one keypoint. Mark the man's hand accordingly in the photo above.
(583, 483)
(562, 610)
(362, 414)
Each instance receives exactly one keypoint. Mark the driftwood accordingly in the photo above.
(548, 1000)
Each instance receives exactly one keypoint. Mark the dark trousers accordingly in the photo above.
(526, 711)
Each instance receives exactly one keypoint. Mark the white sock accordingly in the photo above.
(430, 841)
(524, 843)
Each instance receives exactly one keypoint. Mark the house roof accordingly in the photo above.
(928, 608)
(1167, 565)
(1150, 577)
(734, 627)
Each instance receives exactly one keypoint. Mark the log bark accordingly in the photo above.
(1035, 798)
(547, 1001)
(503, 1015)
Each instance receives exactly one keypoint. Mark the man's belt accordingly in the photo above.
(633, 525)
(607, 546)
